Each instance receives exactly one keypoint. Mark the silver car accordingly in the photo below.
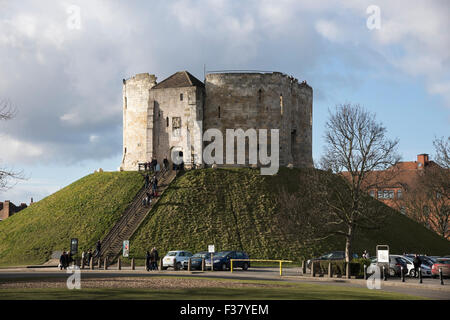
(175, 259)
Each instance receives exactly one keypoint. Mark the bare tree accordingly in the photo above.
(7, 112)
(356, 148)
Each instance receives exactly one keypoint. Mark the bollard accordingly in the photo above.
(347, 270)
(402, 272)
(313, 271)
(203, 264)
(99, 263)
(161, 264)
(119, 264)
(440, 276)
(365, 272)
(330, 271)
(105, 266)
(420, 275)
(133, 267)
(175, 264)
(189, 264)
(384, 274)
(303, 267)
(91, 263)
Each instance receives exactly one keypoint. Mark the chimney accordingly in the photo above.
(422, 160)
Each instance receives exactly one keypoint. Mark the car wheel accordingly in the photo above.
(224, 267)
(164, 268)
(391, 272)
(412, 273)
(245, 267)
(178, 266)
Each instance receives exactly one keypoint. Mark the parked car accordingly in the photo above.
(395, 264)
(221, 260)
(444, 264)
(196, 260)
(424, 267)
(179, 256)
(335, 255)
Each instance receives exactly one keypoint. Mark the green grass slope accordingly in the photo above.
(86, 209)
(237, 209)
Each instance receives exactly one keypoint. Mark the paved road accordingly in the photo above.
(430, 288)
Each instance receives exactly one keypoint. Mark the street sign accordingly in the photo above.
(211, 248)
(126, 248)
(74, 245)
(382, 253)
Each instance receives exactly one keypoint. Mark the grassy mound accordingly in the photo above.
(237, 209)
(86, 210)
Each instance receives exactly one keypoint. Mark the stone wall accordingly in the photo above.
(175, 111)
(263, 101)
(7, 209)
(137, 122)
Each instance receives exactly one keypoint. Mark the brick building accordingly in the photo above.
(7, 209)
(402, 190)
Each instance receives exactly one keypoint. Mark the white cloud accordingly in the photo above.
(18, 151)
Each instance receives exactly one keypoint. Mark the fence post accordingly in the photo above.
(402, 273)
(82, 263)
(330, 271)
(313, 271)
(440, 276)
(175, 264)
(133, 267)
(420, 275)
(160, 264)
(189, 264)
(203, 264)
(99, 263)
(365, 272)
(303, 267)
(91, 263)
(384, 274)
(105, 266)
(119, 264)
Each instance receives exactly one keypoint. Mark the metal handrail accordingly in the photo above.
(124, 219)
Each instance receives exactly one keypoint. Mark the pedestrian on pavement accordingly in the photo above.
(62, 261)
(89, 256)
(166, 163)
(155, 184)
(147, 181)
(148, 261)
(416, 262)
(155, 258)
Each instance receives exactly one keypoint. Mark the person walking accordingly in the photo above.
(99, 248)
(62, 260)
(147, 181)
(155, 185)
(416, 262)
(89, 256)
(148, 261)
(155, 258)
(166, 163)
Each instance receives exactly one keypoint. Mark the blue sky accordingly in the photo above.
(66, 78)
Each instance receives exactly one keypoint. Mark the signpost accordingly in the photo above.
(211, 251)
(74, 246)
(383, 257)
(126, 248)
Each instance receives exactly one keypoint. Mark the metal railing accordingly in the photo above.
(261, 260)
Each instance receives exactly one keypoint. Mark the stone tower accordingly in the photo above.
(160, 120)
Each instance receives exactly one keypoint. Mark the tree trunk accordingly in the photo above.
(348, 244)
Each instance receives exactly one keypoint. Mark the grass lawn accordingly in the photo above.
(273, 290)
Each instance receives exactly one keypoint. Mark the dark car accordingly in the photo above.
(222, 260)
(335, 255)
(196, 260)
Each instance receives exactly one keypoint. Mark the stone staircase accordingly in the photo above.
(132, 218)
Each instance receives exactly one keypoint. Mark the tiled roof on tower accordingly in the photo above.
(179, 80)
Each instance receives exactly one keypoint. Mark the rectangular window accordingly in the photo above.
(380, 194)
(391, 194)
(176, 126)
(372, 193)
(399, 194)
(181, 97)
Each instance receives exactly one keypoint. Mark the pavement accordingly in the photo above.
(430, 288)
